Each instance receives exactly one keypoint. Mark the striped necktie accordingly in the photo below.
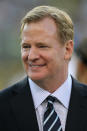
(51, 120)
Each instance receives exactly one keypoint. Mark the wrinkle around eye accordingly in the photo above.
(24, 45)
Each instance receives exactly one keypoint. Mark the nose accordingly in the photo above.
(33, 54)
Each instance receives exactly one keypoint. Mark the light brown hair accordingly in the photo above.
(63, 21)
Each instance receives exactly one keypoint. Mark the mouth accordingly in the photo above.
(37, 65)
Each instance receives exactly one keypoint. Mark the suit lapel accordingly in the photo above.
(23, 108)
(24, 113)
(77, 109)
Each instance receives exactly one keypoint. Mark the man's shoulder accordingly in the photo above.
(13, 88)
(79, 87)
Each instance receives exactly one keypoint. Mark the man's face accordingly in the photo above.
(42, 53)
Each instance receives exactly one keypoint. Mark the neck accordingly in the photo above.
(52, 85)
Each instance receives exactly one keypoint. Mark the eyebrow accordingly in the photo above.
(23, 43)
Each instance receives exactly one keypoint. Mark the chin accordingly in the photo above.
(37, 77)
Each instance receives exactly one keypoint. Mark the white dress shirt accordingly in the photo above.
(61, 104)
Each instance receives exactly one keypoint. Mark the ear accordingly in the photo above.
(68, 49)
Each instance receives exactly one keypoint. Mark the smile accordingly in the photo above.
(37, 65)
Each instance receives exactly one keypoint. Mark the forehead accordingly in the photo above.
(46, 24)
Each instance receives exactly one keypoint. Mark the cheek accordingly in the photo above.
(50, 59)
(24, 56)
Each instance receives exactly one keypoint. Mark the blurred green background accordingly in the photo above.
(11, 13)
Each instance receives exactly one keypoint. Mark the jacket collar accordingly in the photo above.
(23, 107)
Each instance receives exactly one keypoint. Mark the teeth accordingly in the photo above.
(35, 65)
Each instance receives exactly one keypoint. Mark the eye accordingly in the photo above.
(26, 46)
(43, 46)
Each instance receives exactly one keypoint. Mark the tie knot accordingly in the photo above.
(50, 99)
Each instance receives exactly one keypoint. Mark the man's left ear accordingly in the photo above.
(68, 49)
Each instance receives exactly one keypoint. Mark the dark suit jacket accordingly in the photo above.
(17, 111)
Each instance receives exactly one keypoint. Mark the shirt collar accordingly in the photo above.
(62, 93)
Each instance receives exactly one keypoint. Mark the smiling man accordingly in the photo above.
(45, 58)
(49, 98)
